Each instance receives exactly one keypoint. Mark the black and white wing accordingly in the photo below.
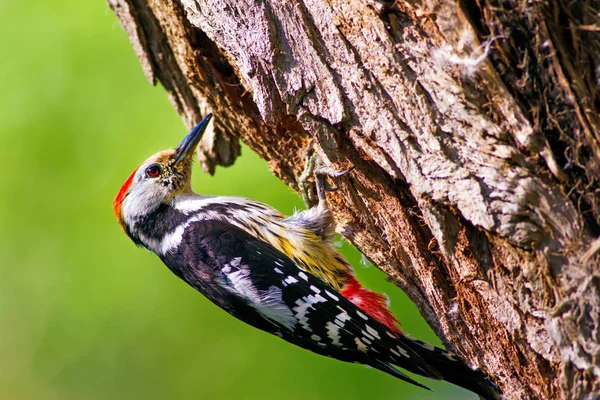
(261, 286)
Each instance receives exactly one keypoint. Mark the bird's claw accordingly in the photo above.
(314, 166)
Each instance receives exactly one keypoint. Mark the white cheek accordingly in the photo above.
(143, 198)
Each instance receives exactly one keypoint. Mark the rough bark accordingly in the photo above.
(474, 131)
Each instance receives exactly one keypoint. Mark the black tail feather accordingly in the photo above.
(454, 370)
(385, 367)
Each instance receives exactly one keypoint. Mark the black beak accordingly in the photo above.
(188, 144)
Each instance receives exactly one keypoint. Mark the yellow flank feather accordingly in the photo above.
(294, 237)
(316, 255)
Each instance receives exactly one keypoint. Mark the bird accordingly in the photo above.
(280, 274)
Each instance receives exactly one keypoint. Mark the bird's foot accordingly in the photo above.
(314, 166)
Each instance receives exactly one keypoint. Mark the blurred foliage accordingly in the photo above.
(84, 314)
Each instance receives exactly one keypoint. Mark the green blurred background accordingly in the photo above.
(84, 314)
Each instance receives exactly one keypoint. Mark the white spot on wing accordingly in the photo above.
(290, 279)
(403, 352)
(333, 296)
(303, 276)
(300, 312)
(394, 352)
(367, 335)
(317, 298)
(363, 316)
(360, 345)
(279, 271)
(316, 338)
(333, 333)
(302, 307)
(341, 319)
(314, 289)
(373, 332)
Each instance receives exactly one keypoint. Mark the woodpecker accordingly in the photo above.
(279, 274)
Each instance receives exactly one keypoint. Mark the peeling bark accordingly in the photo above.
(475, 135)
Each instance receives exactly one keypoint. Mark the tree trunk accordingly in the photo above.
(474, 130)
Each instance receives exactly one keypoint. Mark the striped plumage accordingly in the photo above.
(305, 237)
(277, 273)
(301, 237)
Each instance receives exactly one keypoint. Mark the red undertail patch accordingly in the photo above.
(372, 303)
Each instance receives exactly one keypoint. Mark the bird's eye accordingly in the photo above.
(153, 171)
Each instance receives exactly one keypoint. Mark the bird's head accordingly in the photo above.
(158, 179)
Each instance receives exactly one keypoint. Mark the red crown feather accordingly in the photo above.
(120, 196)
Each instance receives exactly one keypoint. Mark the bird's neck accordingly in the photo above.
(160, 229)
(151, 229)
(156, 229)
